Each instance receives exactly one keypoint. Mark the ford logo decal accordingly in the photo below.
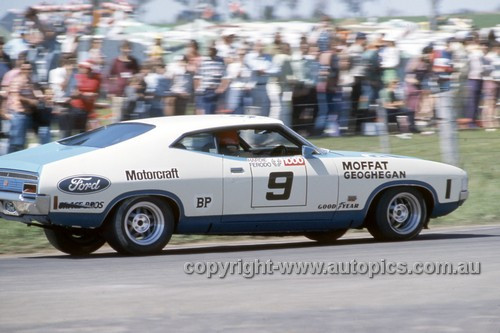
(83, 184)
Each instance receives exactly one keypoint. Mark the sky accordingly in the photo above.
(166, 10)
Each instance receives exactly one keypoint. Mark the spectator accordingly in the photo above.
(157, 88)
(329, 92)
(137, 105)
(325, 34)
(394, 105)
(83, 99)
(238, 80)
(5, 64)
(283, 76)
(225, 48)
(304, 96)
(442, 66)
(42, 116)
(208, 81)
(95, 54)
(156, 51)
(22, 103)
(417, 72)
(491, 86)
(373, 72)
(16, 46)
(7, 80)
(182, 86)
(475, 82)
(194, 60)
(357, 71)
(122, 70)
(261, 67)
(390, 59)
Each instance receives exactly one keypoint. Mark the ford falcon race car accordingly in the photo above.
(134, 184)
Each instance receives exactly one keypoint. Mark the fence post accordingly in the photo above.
(382, 128)
(447, 125)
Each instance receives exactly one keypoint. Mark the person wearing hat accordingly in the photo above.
(83, 99)
(390, 58)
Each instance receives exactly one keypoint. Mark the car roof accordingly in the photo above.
(178, 125)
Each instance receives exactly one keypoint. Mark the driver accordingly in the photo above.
(228, 142)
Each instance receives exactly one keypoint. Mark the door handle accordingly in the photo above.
(237, 170)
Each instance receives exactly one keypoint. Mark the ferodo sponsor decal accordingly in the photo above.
(81, 205)
(151, 175)
(295, 160)
(83, 184)
(340, 206)
(370, 170)
(260, 162)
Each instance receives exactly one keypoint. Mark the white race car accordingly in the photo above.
(134, 184)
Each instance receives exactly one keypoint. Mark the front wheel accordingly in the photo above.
(141, 226)
(76, 242)
(326, 237)
(400, 215)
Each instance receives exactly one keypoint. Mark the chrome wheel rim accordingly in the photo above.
(404, 213)
(144, 223)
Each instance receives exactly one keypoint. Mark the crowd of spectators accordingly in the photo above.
(329, 85)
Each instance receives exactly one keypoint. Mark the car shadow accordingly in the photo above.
(222, 248)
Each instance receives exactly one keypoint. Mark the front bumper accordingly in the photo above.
(15, 206)
(463, 196)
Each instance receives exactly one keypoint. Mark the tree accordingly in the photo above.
(355, 6)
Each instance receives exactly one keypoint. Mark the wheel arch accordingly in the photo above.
(170, 199)
(428, 193)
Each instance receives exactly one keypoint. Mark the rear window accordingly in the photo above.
(107, 135)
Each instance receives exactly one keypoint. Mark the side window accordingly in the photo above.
(269, 142)
(203, 142)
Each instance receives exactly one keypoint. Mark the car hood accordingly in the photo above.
(342, 153)
(33, 159)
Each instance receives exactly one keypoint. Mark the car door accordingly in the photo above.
(201, 192)
(283, 187)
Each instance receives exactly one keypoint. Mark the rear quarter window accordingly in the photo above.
(107, 135)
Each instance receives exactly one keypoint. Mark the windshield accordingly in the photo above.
(107, 135)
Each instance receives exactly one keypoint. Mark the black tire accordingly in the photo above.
(400, 214)
(326, 237)
(76, 242)
(140, 226)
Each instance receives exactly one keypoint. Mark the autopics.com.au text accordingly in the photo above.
(252, 268)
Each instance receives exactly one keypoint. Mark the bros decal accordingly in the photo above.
(81, 205)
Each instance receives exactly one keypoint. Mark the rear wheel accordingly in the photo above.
(326, 237)
(400, 215)
(76, 242)
(141, 226)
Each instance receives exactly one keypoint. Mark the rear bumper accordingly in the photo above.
(15, 206)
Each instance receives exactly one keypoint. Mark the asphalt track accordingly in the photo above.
(106, 292)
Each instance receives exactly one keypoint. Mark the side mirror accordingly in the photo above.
(307, 151)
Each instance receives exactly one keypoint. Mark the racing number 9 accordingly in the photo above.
(286, 186)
